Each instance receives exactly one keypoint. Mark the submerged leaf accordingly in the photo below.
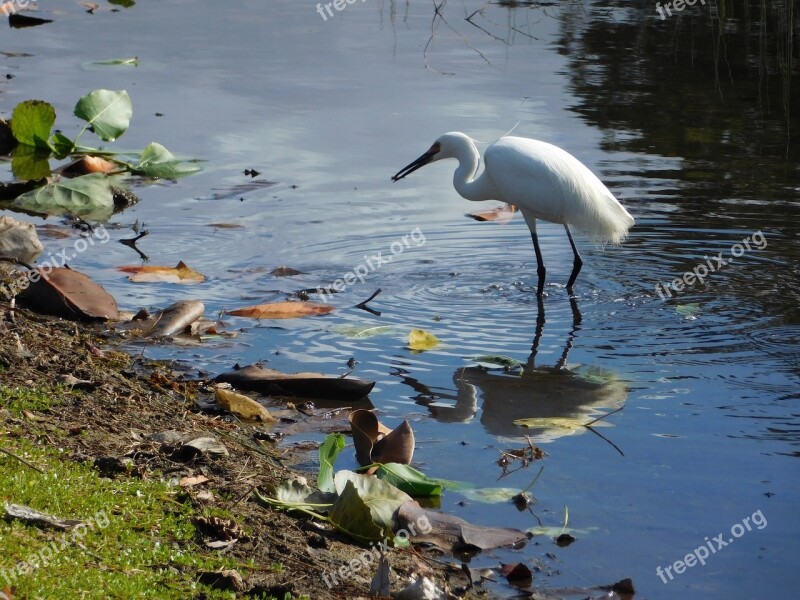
(360, 332)
(107, 111)
(498, 360)
(129, 62)
(489, 495)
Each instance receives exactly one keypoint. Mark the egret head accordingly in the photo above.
(447, 146)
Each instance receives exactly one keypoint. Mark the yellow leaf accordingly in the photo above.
(245, 407)
(281, 310)
(419, 339)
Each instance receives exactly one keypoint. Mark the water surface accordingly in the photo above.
(700, 146)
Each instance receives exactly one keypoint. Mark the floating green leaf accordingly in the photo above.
(88, 196)
(108, 112)
(408, 479)
(61, 145)
(328, 451)
(32, 121)
(157, 161)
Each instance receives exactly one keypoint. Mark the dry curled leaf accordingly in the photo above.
(70, 294)
(376, 443)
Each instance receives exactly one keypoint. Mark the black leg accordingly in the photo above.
(576, 326)
(577, 263)
(540, 270)
(537, 336)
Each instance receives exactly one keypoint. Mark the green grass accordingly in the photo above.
(138, 541)
(18, 399)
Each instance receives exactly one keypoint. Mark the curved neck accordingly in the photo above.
(464, 179)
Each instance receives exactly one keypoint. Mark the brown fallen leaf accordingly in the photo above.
(501, 214)
(281, 310)
(190, 481)
(307, 385)
(245, 407)
(70, 294)
(180, 273)
(376, 443)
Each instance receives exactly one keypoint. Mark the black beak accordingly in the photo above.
(417, 164)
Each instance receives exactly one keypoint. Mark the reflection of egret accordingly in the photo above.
(556, 393)
(542, 180)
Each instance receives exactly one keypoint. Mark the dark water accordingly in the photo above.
(692, 121)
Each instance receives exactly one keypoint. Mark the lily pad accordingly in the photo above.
(108, 112)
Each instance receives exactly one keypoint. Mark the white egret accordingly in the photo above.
(542, 180)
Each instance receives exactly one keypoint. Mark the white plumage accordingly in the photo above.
(542, 180)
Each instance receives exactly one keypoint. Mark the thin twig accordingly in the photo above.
(597, 433)
(23, 461)
(603, 416)
(363, 305)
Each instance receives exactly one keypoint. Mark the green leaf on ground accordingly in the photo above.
(32, 121)
(380, 497)
(108, 112)
(352, 516)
